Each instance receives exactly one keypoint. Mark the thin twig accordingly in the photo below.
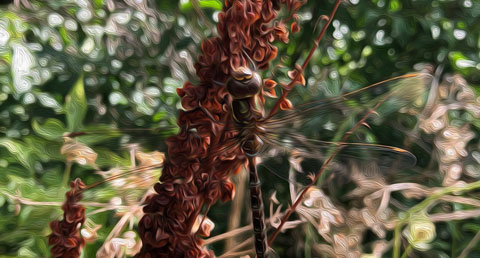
(104, 210)
(237, 254)
(227, 235)
(26, 201)
(66, 174)
(439, 217)
(239, 231)
(198, 10)
(288, 88)
(470, 246)
(22, 200)
(237, 208)
(457, 215)
(387, 190)
(407, 251)
(432, 96)
(239, 246)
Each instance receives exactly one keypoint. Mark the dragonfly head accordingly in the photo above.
(244, 83)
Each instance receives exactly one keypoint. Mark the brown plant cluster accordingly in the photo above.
(65, 238)
(199, 165)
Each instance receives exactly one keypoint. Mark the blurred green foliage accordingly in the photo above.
(83, 65)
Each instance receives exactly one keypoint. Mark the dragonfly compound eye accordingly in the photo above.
(244, 83)
(240, 73)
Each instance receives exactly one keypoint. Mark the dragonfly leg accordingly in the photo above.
(250, 60)
(258, 217)
(215, 81)
(219, 83)
(208, 113)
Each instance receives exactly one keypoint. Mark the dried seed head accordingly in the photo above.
(78, 152)
(65, 238)
(294, 27)
(286, 104)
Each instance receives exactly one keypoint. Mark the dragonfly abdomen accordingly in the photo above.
(258, 217)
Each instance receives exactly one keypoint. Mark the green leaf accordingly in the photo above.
(213, 4)
(52, 129)
(63, 32)
(395, 5)
(44, 149)
(20, 151)
(107, 157)
(76, 105)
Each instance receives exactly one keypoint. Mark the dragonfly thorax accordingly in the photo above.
(245, 86)
(248, 114)
(252, 145)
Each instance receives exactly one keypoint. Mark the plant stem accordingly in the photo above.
(66, 174)
(405, 254)
(470, 245)
(397, 241)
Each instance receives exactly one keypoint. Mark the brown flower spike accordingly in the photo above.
(65, 238)
(197, 171)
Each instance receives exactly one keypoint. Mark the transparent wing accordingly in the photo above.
(115, 143)
(394, 93)
(383, 155)
(287, 131)
(100, 132)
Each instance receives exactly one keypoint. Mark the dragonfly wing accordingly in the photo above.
(384, 156)
(394, 93)
(102, 132)
(103, 129)
(139, 177)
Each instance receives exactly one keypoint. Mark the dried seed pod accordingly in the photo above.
(294, 27)
(286, 104)
(65, 238)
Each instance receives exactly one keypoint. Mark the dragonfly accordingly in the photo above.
(257, 133)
